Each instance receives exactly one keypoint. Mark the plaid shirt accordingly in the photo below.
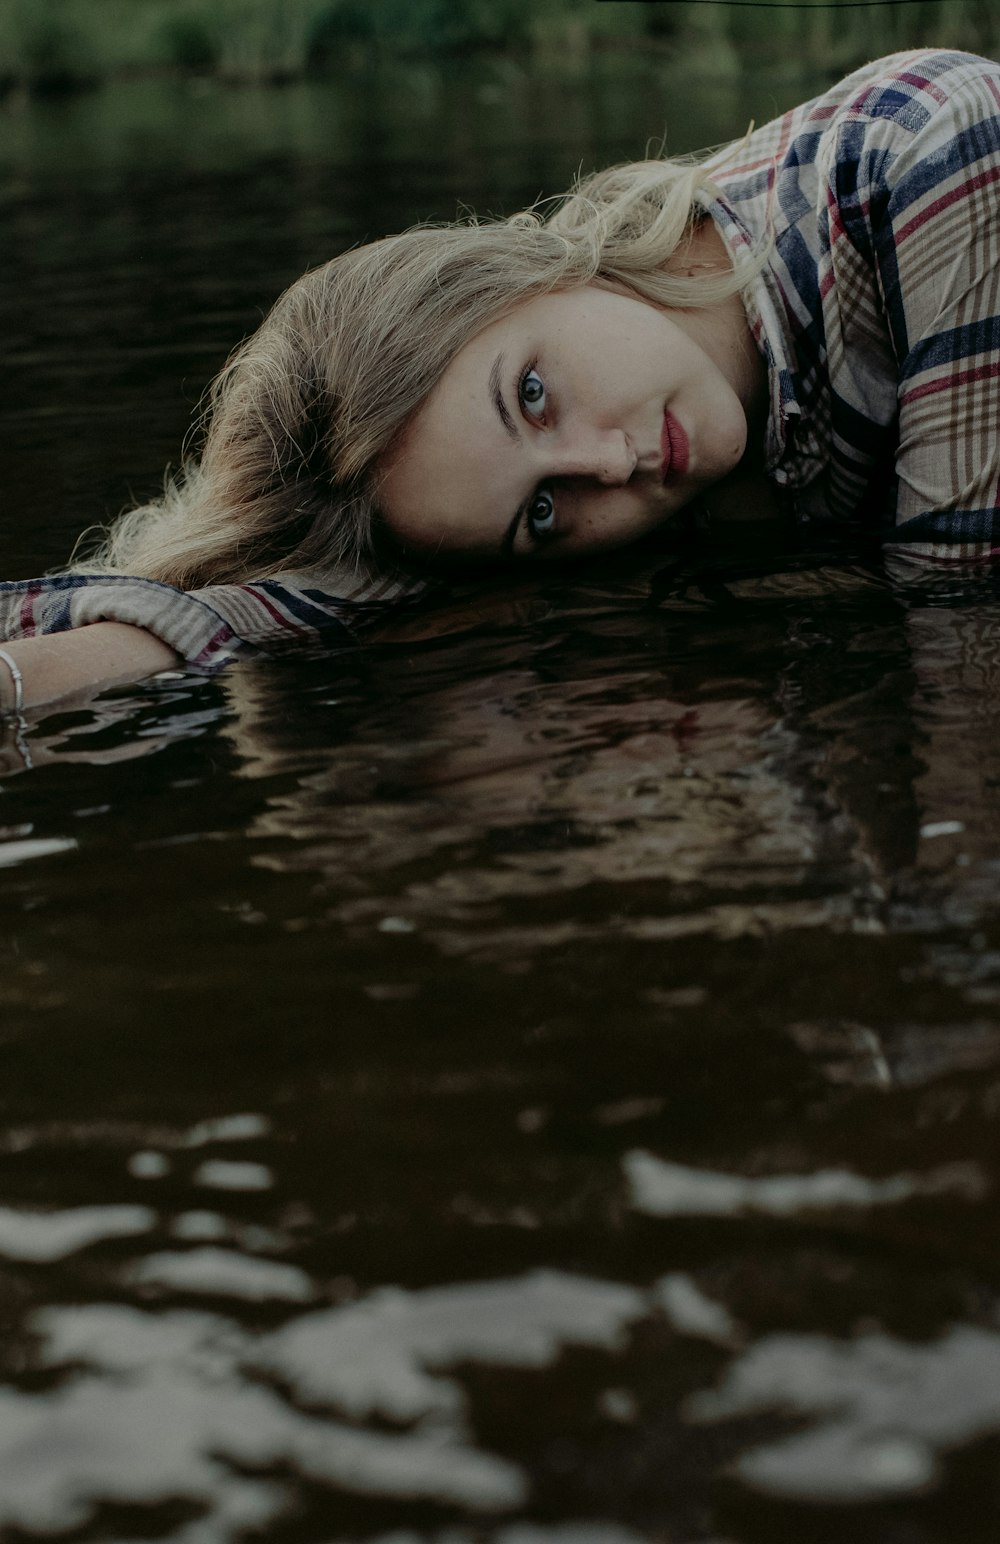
(207, 627)
(878, 313)
(878, 310)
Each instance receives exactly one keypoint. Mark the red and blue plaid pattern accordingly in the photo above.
(206, 627)
(878, 311)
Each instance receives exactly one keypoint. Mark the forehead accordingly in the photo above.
(447, 484)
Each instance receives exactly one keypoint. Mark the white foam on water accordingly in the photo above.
(13, 853)
(584, 1531)
(148, 1165)
(386, 1355)
(227, 1174)
(227, 1128)
(887, 1410)
(200, 1227)
(691, 1312)
(674, 1190)
(942, 828)
(118, 1339)
(162, 1411)
(41, 1237)
(223, 1273)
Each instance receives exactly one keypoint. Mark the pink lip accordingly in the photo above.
(674, 444)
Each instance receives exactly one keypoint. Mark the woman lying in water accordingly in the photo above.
(815, 308)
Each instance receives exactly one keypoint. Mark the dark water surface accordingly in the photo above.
(535, 1079)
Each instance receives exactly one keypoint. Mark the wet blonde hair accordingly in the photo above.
(296, 424)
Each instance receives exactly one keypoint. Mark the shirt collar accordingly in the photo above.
(766, 315)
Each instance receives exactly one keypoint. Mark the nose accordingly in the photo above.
(605, 456)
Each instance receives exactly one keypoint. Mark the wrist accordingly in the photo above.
(11, 686)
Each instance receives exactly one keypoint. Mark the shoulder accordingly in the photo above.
(924, 95)
(915, 127)
(917, 82)
(892, 99)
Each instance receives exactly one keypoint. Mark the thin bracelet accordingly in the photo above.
(18, 680)
(15, 715)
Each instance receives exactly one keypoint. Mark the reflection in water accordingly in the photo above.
(371, 1358)
(156, 1406)
(533, 1079)
(553, 785)
(599, 1071)
(46, 1236)
(157, 1410)
(672, 1190)
(886, 1410)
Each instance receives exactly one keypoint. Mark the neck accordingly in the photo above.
(722, 328)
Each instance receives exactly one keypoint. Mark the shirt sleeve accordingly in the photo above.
(211, 626)
(919, 182)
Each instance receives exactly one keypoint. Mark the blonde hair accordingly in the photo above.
(297, 422)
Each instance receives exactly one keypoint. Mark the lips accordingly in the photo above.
(675, 447)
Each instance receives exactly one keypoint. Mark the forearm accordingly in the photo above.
(83, 659)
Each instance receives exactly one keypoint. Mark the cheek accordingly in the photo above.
(612, 522)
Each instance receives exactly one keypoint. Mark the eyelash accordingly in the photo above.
(530, 368)
(541, 493)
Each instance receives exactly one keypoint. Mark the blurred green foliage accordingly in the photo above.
(59, 43)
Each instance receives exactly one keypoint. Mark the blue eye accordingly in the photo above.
(531, 393)
(540, 516)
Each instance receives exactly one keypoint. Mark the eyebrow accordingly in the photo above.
(497, 398)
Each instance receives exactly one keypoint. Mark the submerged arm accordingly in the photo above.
(82, 659)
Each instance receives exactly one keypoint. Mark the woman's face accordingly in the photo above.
(580, 421)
